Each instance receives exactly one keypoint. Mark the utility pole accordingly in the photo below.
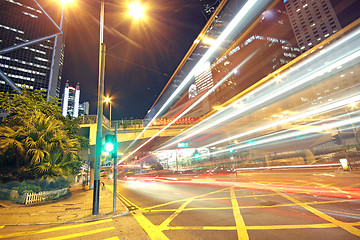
(99, 115)
(115, 167)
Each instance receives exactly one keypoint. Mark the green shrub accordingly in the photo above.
(28, 188)
(37, 186)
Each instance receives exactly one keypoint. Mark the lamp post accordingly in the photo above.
(108, 100)
(99, 114)
(136, 11)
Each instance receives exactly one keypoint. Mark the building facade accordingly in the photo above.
(70, 100)
(84, 108)
(37, 65)
(312, 21)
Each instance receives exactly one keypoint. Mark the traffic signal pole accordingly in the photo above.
(115, 167)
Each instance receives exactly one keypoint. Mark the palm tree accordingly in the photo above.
(44, 145)
(12, 151)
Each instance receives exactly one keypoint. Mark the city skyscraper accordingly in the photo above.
(70, 100)
(84, 108)
(39, 64)
(312, 21)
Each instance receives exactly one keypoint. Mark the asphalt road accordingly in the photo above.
(252, 205)
(280, 205)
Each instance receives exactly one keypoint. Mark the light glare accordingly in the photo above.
(136, 10)
(66, 1)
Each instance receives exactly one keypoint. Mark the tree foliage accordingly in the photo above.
(36, 141)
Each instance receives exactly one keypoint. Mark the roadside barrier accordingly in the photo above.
(43, 196)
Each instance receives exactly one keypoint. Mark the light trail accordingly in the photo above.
(313, 112)
(299, 82)
(291, 166)
(262, 141)
(190, 107)
(231, 26)
(294, 84)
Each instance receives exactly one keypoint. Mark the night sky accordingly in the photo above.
(141, 56)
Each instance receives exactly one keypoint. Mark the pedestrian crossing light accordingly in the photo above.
(109, 143)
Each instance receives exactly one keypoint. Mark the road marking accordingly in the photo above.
(2, 227)
(219, 228)
(335, 189)
(152, 230)
(163, 204)
(175, 214)
(88, 232)
(155, 232)
(112, 238)
(261, 227)
(240, 224)
(183, 200)
(54, 229)
(253, 207)
(182, 207)
(346, 226)
(247, 196)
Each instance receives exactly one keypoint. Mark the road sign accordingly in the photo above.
(182, 144)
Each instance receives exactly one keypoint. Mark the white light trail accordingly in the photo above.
(274, 139)
(236, 20)
(313, 112)
(294, 84)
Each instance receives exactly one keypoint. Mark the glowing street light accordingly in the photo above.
(66, 1)
(108, 100)
(136, 10)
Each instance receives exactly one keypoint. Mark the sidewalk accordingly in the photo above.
(75, 208)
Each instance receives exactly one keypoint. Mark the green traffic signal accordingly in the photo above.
(196, 155)
(109, 145)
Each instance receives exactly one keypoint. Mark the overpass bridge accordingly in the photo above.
(128, 130)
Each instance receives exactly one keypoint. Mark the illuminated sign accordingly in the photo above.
(182, 145)
(183, 120)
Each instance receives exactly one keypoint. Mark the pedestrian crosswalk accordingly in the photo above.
(102, 229)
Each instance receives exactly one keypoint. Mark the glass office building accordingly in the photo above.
(37, 65)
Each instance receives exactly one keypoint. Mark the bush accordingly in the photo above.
(27, 188)
(37, 186)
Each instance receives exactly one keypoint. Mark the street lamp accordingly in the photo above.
(135, 8)
(108, 100)
(66, 1)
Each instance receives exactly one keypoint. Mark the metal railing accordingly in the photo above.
(123, 123)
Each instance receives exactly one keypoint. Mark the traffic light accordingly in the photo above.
(196, 155)
(109, 145)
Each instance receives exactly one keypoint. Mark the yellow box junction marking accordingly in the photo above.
(156, 231)
(74, 235)
(240, 224)
(152, 230)
(175, 214)
(346, 226)
(18, 234)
